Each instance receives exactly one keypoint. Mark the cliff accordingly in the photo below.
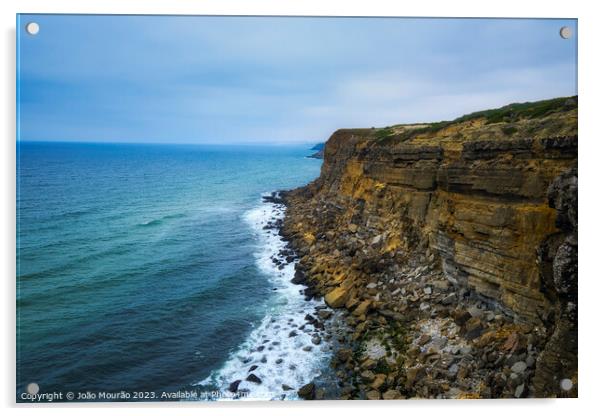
(319, 151)
(430, 220)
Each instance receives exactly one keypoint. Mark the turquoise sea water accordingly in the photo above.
(138, 266)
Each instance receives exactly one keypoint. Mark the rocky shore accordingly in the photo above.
(449, 252)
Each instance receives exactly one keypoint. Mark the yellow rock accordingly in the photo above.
(336, 298)
(379, 380)
(362, 308)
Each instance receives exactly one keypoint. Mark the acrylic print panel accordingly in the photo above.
(258, 208)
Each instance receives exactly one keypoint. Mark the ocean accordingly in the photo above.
(149, 268)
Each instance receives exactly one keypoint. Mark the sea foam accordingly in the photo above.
(281, 360)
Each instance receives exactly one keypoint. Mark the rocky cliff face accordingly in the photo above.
(479, 213)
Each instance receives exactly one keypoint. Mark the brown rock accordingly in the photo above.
(392, 395)
(307, 392)
(373, 395)
(362, 308)
(378, 382)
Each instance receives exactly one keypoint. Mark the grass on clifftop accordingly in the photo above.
(510, 113)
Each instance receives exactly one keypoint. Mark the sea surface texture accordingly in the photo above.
(147, 268)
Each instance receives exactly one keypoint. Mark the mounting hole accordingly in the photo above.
(33, 388)
(565, 32)
(566, 384)
(32, 28)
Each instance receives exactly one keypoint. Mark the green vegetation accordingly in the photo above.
(382, 134)
(517, 111)
(509, 130)
(510, 113)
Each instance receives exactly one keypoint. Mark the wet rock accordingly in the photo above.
(320, 394)
(253, 379)
(344, 354)
(252, 368)
(316, 340)
(233, 387)
(307, 392)
(324, 314)
(307, 348)
(279, 361)
(286, 387)
(299, 277)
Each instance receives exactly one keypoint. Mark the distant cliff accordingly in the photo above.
(482, 211)
(319, 151)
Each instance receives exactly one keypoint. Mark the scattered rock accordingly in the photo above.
(520, 389)
(368, 376)
(233, 388)
(379, 380)
(324, 314)
(362, 308)
(336, 298)
(307, 392)
(392, 395)
(519, 367)
(373, 395)
(253, 379)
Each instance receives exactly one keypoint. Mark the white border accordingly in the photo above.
(590, 154)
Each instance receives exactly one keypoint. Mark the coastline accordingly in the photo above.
(294, 342)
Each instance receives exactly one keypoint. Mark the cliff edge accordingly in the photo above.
(453, 248)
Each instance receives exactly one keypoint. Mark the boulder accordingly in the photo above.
(362, 308)
(307, 392)
(253, 379)
(392, 395)
(233, 388)
(373, 395)
(337, 297)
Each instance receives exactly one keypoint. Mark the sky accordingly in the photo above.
(186, 79)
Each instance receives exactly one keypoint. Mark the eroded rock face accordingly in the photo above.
(497, 216)
(559, 359)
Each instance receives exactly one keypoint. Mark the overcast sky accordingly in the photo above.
(260, 79)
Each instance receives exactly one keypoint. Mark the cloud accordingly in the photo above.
(201, 79)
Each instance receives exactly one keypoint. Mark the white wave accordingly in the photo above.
(279, 357)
